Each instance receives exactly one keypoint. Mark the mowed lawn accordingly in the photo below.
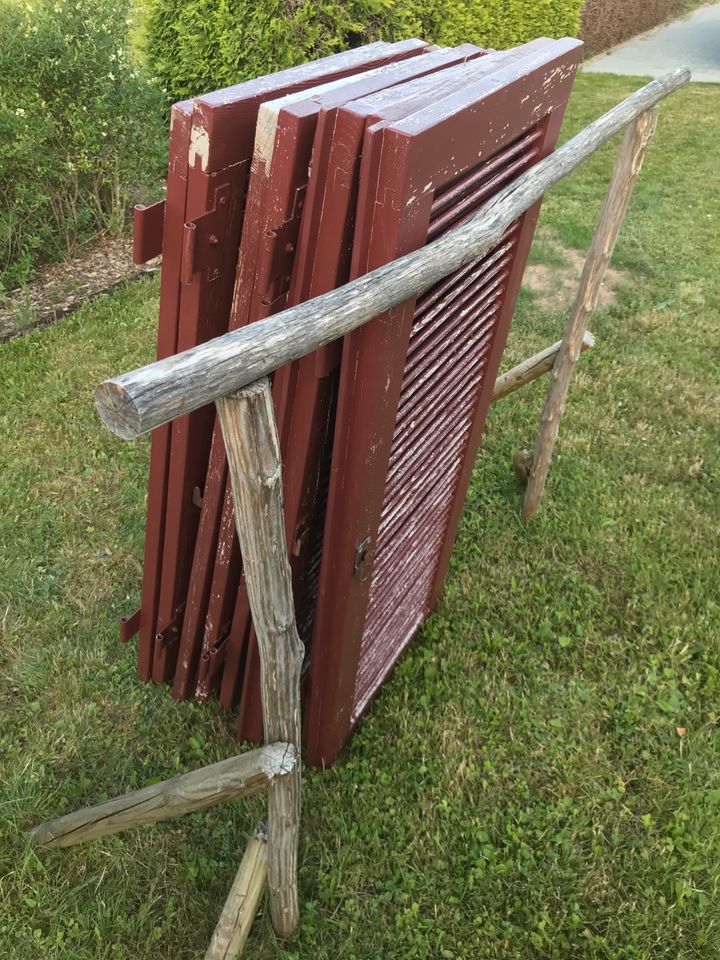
(541, 777)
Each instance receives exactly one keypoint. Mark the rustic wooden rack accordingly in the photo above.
(232, 372)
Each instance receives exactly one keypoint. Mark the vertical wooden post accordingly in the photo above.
(628, 165)
(250, 433)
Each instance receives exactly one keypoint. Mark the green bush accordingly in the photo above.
(81, 129)
(199, 45)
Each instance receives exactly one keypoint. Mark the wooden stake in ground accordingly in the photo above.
(236, 777)
(243, 901)
(628, 166)
(253, 449)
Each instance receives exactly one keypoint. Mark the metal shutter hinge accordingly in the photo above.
(204, 239)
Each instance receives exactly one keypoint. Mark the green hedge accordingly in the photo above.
(200, 45)
(82, 131)
(498, 23)
(607, 22)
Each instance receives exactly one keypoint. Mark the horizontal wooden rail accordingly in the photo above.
(238, 776)
(155, 394)
(534, 367)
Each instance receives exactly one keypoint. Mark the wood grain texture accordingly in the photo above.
(532, 368)
(627, 169)
(251, 440)
(235, 777)
(242, 901)
(157, 393)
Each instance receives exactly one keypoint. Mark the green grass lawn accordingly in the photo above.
(520, 788)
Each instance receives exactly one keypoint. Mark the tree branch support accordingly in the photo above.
(247, 418)
(628, 166)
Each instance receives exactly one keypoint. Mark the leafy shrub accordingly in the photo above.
(199, 45)
(81, 129)
(206, 44)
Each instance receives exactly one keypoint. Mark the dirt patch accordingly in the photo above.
(63, 287)
(554, 287)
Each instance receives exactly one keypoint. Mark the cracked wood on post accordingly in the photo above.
(155, 394)
(235, 777)
(249, 430)
(533, 367)
(627, 169)
(242, 901)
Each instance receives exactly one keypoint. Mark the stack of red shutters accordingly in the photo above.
(280, 190)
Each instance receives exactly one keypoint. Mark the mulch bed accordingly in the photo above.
(63, 287)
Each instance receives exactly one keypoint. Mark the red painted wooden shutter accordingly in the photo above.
(211, 143)
(416, 383)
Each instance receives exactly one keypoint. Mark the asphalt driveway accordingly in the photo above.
(694, 40)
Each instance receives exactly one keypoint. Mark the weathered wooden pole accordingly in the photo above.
(628, 166)
(250, 433)
(236, 777)
(534, 367)
(242, 902)
(149, 396)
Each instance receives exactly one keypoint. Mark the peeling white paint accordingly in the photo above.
(199, 147)
(269, 112)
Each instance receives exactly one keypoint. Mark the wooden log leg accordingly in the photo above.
(242, 902)
(236, 777)
(534, 367)
(629, 162)
(253, 448)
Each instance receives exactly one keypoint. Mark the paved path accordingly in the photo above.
(694, 41)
